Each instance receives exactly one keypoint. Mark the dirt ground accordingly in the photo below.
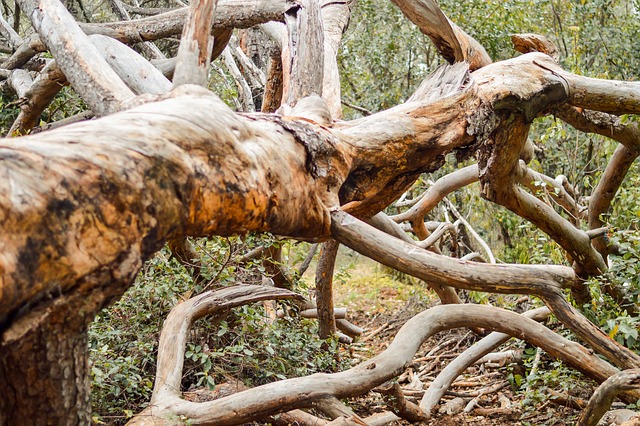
(483, 395)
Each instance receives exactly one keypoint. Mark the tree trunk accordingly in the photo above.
(44, 373)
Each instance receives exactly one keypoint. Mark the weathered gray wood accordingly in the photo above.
(603, 397)
(37, 97)
(303, 57)
(86, 70)
(229, 13)
(136, 72)
(194, 53)
(302, 392)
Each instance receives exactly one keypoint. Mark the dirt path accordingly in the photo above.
(484, 395)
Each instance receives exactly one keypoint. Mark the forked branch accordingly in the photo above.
(302, 392)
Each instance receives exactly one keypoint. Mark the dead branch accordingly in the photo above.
(229, 14)
(186, 254)
(175, 331)
(544, 281)
(485, 247)
(436, 193)
(384, 223)
(603, 397)
(194, 53)
(37, 97)
(324, 288)
(466, 359)
(539, 183)
(134, 70)
(147, 47)
(399, 404)
(453, 44)
(78, 59)
(303, 53)
(244, 91)
(526, 43)
(308, 258)
(259, 402)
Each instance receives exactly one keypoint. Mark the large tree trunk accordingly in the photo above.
(44, 367)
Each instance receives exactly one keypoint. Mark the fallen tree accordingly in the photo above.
(83, 206)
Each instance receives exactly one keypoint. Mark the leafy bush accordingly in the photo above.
(123, 339)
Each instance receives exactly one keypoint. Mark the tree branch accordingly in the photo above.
(194, 53)
(301, 392)
(603, 397)
(84, 67)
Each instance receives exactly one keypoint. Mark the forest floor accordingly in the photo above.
(485, 394)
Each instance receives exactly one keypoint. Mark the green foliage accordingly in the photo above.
(123, 339)
(383, 57)
(246, 345)
(8, 113)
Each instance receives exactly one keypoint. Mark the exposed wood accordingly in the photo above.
(194, 54)
(539, 183)
(175, 331)
(303, 57)
(85, 69)
(273, 90)
(24, 53)
(452, 43)
(147, 47)
(603, 397)
(335, 20)
(324, 288)
(526, 43)
(436, 192)
(400, 406)
(244, 91)
(229, 14)
(258, 402)
(37, 97)
(12, 37)
(20, 81)
(135, 71)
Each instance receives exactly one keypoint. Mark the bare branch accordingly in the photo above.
(302, 392)
(175, 330)
(244, 91)
(384, 223)
(538, 182)
(303, 55)
(147, 47)
(544, 281)
(324, 288)
(79, 60)
(603, 397)
(438, 191)
(10, 34)
(194, 54)
(229, 14)
(526, 43)
(453, 44)
(37, 98)
(443, 381)
(136, 72)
